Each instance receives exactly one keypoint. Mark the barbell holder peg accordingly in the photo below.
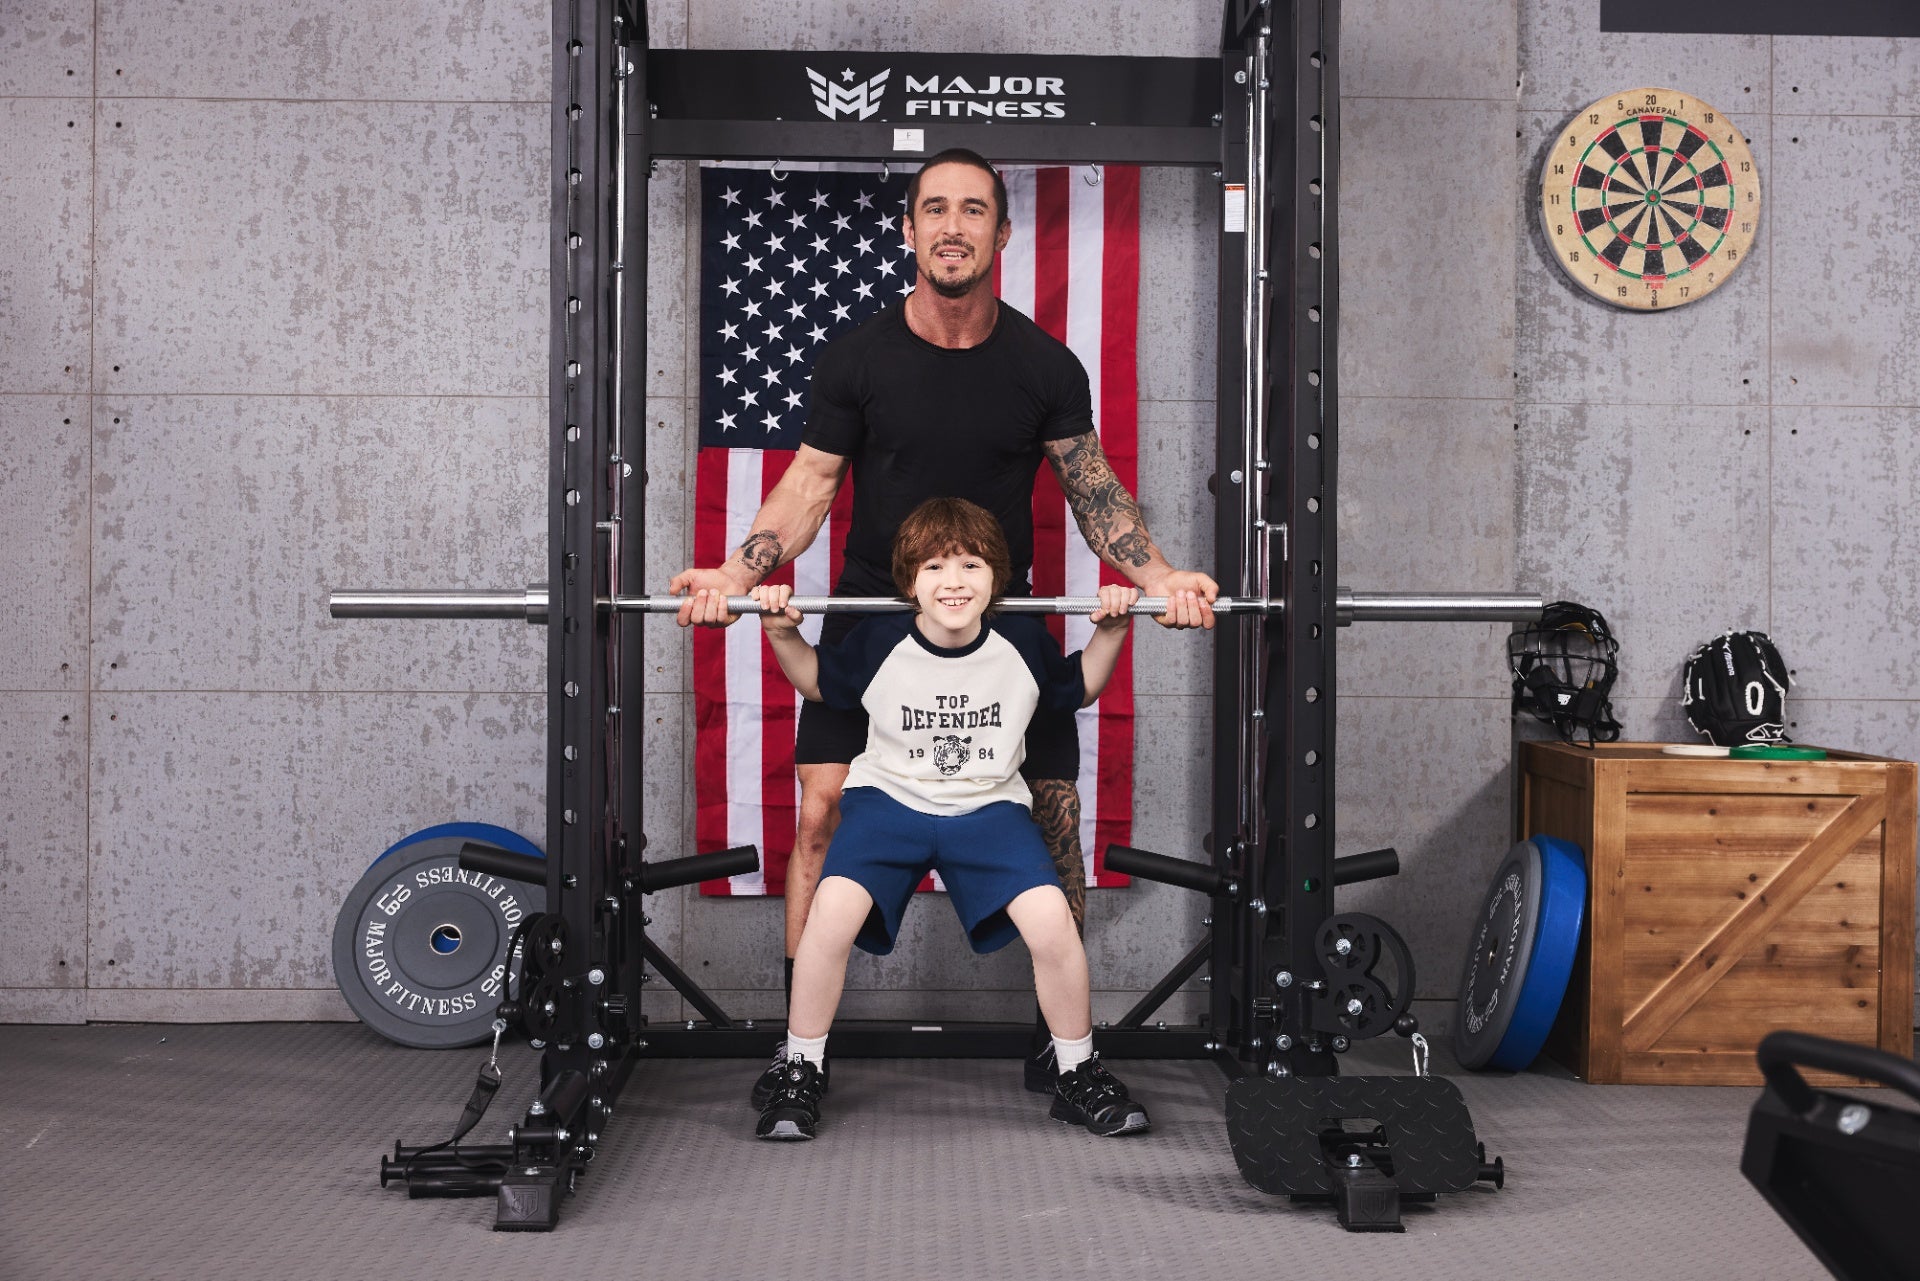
(1351, 869)
(530, 605)
(1350, 606)
(718, 866)
(1149, 866)
(478, 856)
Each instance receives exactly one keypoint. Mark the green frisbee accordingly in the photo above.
(1777, 752)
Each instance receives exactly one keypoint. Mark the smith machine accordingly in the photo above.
(1293, 983)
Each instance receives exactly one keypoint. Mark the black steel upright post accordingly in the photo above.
(1274, 528)
(1295, 862)
(588, 996)
(578, 792)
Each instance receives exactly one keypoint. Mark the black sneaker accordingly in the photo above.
(793, 1109)
(770, 1079)
(1092, 1096)
(1041, 1073)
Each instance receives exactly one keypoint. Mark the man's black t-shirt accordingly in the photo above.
(921, 421)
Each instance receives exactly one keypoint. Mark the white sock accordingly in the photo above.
(811, 1048)
(1071, 1054)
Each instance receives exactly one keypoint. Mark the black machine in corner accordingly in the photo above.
(1843, 1171)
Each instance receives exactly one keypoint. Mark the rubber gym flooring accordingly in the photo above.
(252, 1151)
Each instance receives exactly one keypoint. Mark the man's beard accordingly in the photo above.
(959, 286)
(956, 288)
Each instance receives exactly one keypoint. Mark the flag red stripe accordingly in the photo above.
(710, 672)
(1052, 231)
(778, 811)
(1119, 407)
(1120, 435)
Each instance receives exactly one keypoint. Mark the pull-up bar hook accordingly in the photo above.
(1092, 176)
(886, 171)
(774, 170)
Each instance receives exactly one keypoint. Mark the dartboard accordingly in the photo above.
(1650, 199)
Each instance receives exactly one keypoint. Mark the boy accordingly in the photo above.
(948, 692)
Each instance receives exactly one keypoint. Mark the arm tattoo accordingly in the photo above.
(761, 553)
(1107, 514)
(1056, 808)
(1133, 547)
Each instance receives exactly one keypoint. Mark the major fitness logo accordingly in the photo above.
(992, 97)
(1478, 1007)
(860, 98)
(422, 916)
(1001, 97)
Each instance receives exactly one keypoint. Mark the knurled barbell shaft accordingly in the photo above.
(1147, 605)
(530, 605)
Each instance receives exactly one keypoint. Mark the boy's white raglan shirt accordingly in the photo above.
(946, 728)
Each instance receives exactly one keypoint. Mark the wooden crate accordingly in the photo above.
(1726, 899)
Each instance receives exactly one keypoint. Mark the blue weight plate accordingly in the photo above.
(420, 945)
(1497, 955)
(1556, 940)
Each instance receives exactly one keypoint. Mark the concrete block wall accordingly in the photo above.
(273, 320)
(1426, 456)
(1744, 461)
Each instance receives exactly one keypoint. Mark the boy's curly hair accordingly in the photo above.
(947, 527)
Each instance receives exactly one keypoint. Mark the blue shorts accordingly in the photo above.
(986, 859)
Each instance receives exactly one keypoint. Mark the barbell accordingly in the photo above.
(1349, 606)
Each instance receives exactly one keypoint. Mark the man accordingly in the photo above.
(946, 393)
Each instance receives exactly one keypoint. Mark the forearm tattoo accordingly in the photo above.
(761, 553)
(1056, 808)
(1133, 548)
(1107, 514)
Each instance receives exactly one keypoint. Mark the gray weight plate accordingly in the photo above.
(420, 945)
(1497, 957)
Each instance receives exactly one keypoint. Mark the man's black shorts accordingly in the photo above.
(831, 736)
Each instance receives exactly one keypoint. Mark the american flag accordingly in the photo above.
(789, 263)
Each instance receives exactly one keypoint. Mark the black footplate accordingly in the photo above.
(1365, 1141)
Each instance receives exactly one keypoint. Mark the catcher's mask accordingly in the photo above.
(1736, 690)
(1563, 669)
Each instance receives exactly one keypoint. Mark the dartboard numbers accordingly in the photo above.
(1650, 199)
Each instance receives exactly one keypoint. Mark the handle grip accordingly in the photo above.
(1780, 1052)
